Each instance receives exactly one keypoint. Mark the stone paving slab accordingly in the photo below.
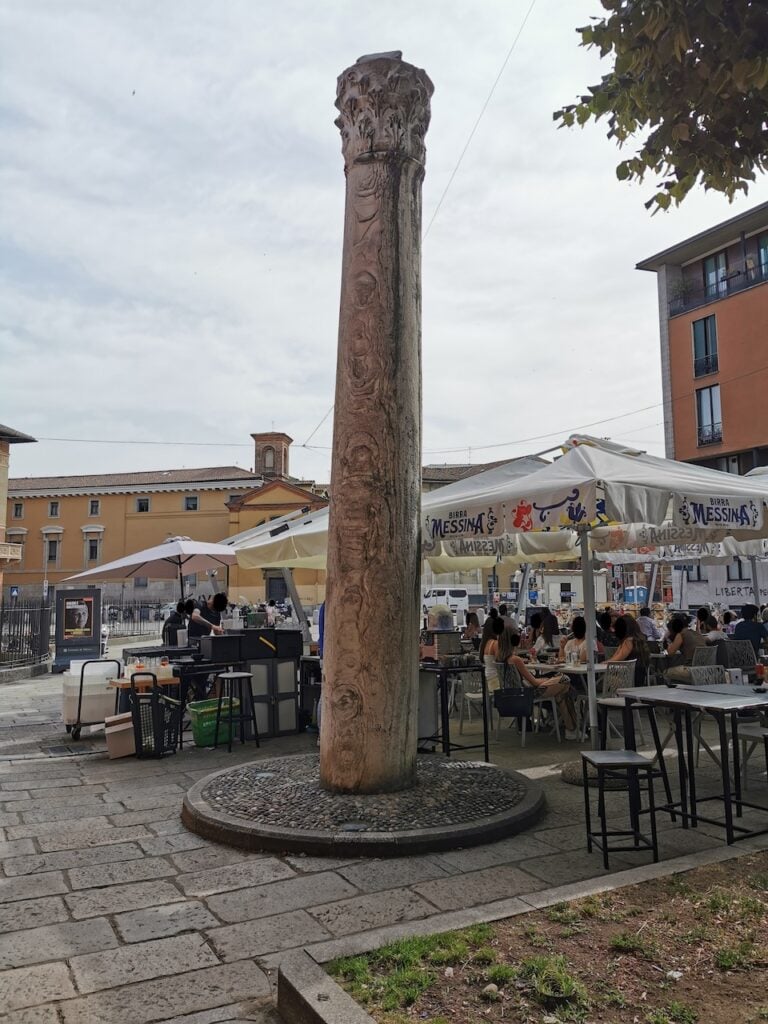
(86, 824)
(32, 913)
(63, 860)
(158, 1000)
(375, 875)
(124, 871)
(65, 839)
(279, 897)
(474, 887)
(257, 871)
(161, 922)
(26, 887)
(364, 912)
(55, 942)
(30, 986)
(34, 1015)
(268, 935)
(119, 898)
(115, 967)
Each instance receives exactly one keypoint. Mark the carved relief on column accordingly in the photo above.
(368, 735)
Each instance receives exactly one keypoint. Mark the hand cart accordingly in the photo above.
(75, 727)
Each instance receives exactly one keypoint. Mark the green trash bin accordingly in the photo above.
(202, 714)
(251, 618)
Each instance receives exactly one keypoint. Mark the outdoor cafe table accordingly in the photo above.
(723, 703)
(443, 735)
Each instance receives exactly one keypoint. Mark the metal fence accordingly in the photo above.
(134, 618)
(25, 632)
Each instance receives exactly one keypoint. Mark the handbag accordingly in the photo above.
(514, 701)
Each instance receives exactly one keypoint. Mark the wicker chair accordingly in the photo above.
(704, 656)
(620, 675)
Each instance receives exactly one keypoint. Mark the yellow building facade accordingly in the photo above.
(65, 525)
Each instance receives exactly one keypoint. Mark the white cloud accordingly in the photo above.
(172, 215)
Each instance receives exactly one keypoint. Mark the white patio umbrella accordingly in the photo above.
(597, 484)
(176, 557)
(301, 540)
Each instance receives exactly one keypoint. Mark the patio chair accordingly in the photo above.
(620, 675)
(704, 675)
(472, 696)
(704, 656)
(739, 654)
(751, 736)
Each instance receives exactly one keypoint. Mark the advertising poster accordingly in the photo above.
(78, 618)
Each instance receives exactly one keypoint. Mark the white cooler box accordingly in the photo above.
(98, 698)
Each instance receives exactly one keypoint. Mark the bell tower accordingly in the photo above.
(271, 455)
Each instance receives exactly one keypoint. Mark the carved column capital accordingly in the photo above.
(383, 105)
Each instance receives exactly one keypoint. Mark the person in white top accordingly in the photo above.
(713, 633)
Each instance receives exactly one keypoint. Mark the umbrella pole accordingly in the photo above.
(755, 580)
(181, 581)
(588, 583)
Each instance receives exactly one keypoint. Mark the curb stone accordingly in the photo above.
(307, 994)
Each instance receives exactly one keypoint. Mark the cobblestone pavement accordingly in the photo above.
(112, 912)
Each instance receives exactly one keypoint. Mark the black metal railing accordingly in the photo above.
(25, 632)
(133, 618)
(711, 434)
(703, 365)
(735, 279)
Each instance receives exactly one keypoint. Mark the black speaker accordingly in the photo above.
(258, 643)
(226, 648)
(289, 643)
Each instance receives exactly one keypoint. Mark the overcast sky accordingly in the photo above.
(171, 211)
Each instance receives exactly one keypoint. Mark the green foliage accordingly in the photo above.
(551, 982)
(692, 77)
(500, 974)
(732, 958)
(627, 942)
(484, 955)
(675, 1013)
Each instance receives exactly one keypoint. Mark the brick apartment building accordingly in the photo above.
(713, 319)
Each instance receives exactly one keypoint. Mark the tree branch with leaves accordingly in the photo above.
(692, 76)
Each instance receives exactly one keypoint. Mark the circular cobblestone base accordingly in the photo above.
(278, 804)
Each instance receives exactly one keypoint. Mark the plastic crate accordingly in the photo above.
(156, 723)
(202, 714)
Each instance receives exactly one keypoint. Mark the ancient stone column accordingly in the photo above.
(368, 735)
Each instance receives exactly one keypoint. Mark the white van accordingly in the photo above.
(457, 599)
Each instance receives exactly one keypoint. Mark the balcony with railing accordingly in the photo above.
(737, 278)
(712, 433)
(702, 365)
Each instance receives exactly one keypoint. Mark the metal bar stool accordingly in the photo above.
(625, 766)
(231, 687)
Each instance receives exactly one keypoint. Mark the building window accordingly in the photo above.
(696, 574)
(269, 458)
(190, 503)
(762, 255)
(142, 504)
(18, 510)
(140, 582)
(737, 571)
(94, 507)
(704, 346)
(53, 509)
(93, 550)
(52, 551)
(715, 269)
(709, 420)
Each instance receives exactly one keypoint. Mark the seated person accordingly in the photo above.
(703, 615)
(491, 654)
(604, 629)
(680, 647)
(577, 642)
(557, 687)
(749, 628)
(632, 647)
(713, 632)
(647, 625)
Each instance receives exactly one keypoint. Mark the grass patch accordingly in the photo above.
(675, 1013)
(500, 974)
(631, 942)
(551, 983)
(733, 958)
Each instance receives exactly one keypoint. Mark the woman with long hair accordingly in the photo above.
(555, 687)
(633, 646)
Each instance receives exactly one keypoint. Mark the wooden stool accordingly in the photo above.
(624, 765)
(231, 686)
